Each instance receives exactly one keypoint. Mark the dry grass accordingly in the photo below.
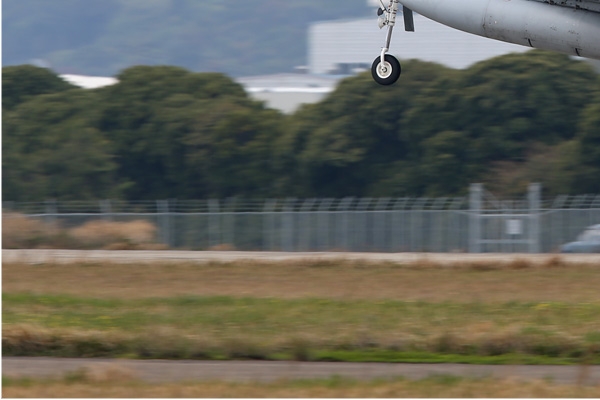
(100, 234)
(519, 281)
(19, 231)
(516, 297)
(35, 339)
(302, 341)
(435, 387)
(222, 247)
(101, 374)
(23, 232)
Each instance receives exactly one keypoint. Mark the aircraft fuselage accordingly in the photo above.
(532, 23)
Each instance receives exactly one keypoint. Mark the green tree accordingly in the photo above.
(230, 148)
(437, 130)
(58, 154)
(347, 144)
(586, 161)
(165, 132)
(508, 108)
(186, 135)
(445, 164)
(23, 82)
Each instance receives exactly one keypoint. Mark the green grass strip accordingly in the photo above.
(196, 327)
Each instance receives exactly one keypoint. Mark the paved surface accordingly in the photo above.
(67, 256)
(157, 371)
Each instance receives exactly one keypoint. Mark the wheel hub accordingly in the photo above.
(384, 70)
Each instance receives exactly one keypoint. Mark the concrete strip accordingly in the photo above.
(127, 257)
(159, 371)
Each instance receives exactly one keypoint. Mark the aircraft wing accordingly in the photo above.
(590, 5)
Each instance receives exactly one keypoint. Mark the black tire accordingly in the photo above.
(387, 74)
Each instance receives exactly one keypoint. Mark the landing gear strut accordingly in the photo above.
(386, 68)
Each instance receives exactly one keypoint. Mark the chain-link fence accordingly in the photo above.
(479, 223)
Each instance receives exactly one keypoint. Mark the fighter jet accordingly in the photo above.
(568, 26)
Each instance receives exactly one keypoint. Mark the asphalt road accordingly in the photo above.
(158, 371)
(127, 257)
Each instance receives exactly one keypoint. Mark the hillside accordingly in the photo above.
(105, 37)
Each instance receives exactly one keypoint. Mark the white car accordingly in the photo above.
(587, 242)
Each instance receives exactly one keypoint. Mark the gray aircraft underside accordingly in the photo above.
(567, 26)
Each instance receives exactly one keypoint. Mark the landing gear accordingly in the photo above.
(388, 72)
(386, 69)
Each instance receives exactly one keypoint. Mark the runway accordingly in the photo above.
(129, 257)
(160, 371)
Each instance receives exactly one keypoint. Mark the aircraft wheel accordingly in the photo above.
(386, 73)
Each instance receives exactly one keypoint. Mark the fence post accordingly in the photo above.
(323, 224)
(418, 226)
(362, 224)
(344, 223)
(475, 209)
(269, 225)
(214, 223)
(162, 208)
(457, 231)
(439, 224)
(287, 234)
(51, 211)
(106, 210)
(399, 225)
(379, 225)
(534, 197)
(229, 221)
(305, 232)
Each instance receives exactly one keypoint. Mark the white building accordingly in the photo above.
(89, 82)
(287, 92)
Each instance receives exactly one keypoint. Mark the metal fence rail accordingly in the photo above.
(479, 223)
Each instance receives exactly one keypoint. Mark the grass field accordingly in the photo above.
(118, 384)
(255, 328)
(318, 310)
(483, 282)
(311, 310)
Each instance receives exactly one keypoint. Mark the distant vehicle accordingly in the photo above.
(587, 242)
(568, 26)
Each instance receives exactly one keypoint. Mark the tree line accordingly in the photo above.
(165, 132)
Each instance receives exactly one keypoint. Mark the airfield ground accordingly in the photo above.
(497, 310)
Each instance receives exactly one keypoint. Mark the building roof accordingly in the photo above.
(89, 82)
(290, 82)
